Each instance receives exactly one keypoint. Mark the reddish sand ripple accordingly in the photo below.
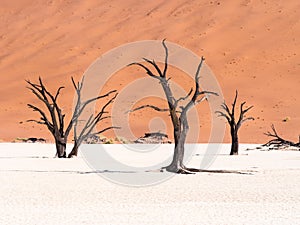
(250, 45)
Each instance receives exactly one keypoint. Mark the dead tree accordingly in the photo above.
(88, 128)
(177, 112)
(277, 142)
(234, 126)
(54, 119)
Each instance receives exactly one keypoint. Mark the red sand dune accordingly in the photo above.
(250, 45)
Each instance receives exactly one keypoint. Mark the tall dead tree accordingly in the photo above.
(177, 112)
(277, 142)
(234, 125)
(54, 119)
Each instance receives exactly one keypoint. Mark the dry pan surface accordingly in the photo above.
(37, 188)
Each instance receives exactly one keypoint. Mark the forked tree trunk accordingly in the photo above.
(234, 143)
(56, 122)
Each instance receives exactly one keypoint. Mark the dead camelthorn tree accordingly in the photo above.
(89, 125)
(235, 125)
(278, 141)
(54, 119)
(177, 112)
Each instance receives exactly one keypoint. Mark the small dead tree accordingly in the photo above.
(88, 128)
(54, 119)
(177, 112)
(278, 142)
(234, 125)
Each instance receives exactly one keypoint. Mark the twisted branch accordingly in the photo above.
(278, 141)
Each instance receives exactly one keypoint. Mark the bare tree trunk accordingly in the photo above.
(234, 142)
(177, 165)
(61, 145)
(74, 151)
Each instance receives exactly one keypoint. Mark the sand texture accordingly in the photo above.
(250, 45)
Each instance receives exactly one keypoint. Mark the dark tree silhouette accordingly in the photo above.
(278, 141)
(177, 112)
(54, 119)
(234, 126)
(88, 127)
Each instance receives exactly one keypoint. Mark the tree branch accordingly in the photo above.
(58, 92)
(43, 118)
(166, 58)
(242, 113)
(222, 114)
(105, 129)
(147, 70)
(183, 98)
(93, 121)
(234, 102)
(147, 106)
(278, 141)
(153, 63)
(197, 93)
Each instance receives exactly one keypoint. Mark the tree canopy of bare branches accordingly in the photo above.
(235, 125)
(54, 119)
(89, 125)
(177, 111)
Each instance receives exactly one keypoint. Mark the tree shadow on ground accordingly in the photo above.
(69, 171)
(25, 157)
(192, 171)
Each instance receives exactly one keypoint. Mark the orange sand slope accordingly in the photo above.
(250, 45)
